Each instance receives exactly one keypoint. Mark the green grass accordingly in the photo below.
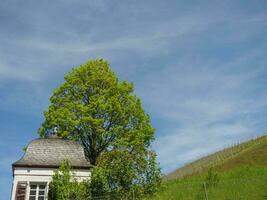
(242, 172)
(244, 183)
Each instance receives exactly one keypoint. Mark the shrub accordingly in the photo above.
(122, 172)
(212, 178)
(64, 186)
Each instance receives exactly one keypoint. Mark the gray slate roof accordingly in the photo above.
(50, 152)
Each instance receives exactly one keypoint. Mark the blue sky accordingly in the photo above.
(200, 68)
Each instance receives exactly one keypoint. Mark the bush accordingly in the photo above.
(122, 172)
(212, 178)
(64, 186)
(118, 173)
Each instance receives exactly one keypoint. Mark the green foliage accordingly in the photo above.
(99, 181)
(93, 107)
(121, 172)
(24, 148)
(212, 178)
(65, 187)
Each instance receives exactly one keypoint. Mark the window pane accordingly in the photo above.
(33, 187)
(41, 186)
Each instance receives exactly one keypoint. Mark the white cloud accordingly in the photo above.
(212, 107)
(204, 95)
(153, 39)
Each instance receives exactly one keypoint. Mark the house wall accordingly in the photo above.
(41, 175)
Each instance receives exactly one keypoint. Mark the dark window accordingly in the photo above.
(37, 191)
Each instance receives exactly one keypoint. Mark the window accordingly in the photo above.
(37, 191)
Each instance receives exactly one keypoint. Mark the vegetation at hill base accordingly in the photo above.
(238, 172)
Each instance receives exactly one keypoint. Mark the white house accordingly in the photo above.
(33, 172)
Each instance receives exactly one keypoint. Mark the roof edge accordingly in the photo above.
(50, 166)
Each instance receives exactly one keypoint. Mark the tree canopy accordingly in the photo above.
(92, 106)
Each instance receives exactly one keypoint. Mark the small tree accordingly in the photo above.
(65, 187)
(212, 178)
(151, 175)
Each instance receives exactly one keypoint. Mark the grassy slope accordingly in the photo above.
(242, 171)
(219, 158)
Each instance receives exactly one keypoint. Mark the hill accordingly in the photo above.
(238, 172)
(251, 152)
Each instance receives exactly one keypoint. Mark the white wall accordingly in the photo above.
(42, 175)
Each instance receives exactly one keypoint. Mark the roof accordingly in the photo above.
(50, 152)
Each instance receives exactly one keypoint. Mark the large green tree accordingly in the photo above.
(95, 108)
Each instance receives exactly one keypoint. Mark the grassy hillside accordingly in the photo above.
(229, 156)
(241, 183)
(241, 172)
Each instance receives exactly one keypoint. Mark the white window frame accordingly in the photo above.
(38, 189)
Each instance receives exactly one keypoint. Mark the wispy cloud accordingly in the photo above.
(211, 106)
(199, 68)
